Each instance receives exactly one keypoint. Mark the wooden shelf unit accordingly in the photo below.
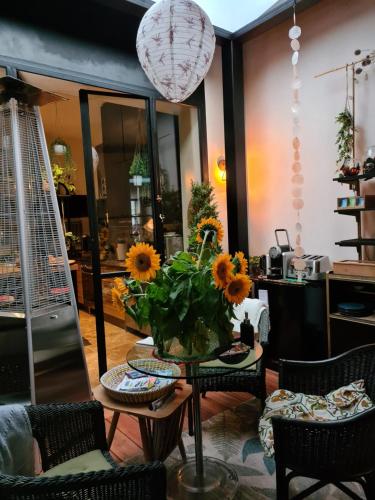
(354, 182)
(365, 320)
(352, 211)
(346, 332)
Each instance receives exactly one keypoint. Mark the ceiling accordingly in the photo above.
(232, 15)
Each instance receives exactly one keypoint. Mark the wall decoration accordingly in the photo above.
(297, 177)
(175, 46)
(346, 136)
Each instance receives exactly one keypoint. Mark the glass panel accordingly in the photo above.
(179, 164)
(122, 185)
(121, 176)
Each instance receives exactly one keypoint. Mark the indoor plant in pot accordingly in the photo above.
(63, 166)
(138, 169)
(188, 301)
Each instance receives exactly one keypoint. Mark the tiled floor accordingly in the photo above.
(127, 441)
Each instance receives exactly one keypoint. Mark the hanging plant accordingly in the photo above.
(59, 147)
(345, 137)
(63, 166)
(139, 165)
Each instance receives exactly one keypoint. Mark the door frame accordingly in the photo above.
(14, 65)
(152, 148)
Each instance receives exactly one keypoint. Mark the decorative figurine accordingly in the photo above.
(369, 166)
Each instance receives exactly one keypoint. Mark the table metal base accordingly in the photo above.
(220, 481)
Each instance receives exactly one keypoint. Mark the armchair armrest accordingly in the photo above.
(321, 377)
(323, 448)
(134, 482)
(64, 431)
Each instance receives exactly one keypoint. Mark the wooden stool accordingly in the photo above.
(160, 429)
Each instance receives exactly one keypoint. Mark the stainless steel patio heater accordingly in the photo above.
(41, 353)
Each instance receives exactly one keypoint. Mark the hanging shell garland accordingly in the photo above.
(175, 46)
(297, 178)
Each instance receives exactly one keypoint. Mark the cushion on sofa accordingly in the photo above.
(340, 403)
(88, 462)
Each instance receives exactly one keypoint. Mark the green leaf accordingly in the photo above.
(184, 301)
(157, 293)
(184, 256)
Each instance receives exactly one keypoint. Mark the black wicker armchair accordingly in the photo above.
(251, 381)
(331, 452)
(227, 380)
(65, 431)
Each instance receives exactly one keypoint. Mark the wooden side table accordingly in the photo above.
(160, 429)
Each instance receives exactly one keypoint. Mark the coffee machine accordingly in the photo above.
(278, 257)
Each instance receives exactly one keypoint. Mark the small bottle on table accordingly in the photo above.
(247, 332)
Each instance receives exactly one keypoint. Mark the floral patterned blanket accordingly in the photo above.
(340, 403)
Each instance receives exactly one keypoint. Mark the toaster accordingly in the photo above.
(316, 267)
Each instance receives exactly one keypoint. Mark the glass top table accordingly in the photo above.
(203, 478)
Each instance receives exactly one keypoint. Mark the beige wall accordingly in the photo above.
(213, 85)
(331, 31)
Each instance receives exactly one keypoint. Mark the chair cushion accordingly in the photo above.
(340, 403)
(88, 462)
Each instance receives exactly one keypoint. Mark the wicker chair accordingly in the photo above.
(65, 431)
(331, 452)
(227, 380)
(252, 381)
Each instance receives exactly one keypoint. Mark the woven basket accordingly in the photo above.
(113, 377)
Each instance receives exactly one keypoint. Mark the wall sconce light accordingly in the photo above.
(222, 167)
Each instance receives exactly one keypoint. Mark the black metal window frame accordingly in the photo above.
(14, 66)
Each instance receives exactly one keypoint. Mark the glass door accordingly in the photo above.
(121, 195)
(179, 164)
(140, 156)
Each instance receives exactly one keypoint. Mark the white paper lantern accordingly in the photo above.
(175, 46)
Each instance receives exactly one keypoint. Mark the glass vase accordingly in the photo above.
(198, 344)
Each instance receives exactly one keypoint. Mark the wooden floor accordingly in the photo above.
(127, 441)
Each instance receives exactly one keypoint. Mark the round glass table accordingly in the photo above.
(203, 478)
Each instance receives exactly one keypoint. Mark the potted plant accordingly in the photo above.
(62, 179)
(188, 301)
(139, 168)
(345, 142)
(63, 166)
(202, 205)
(254, 266)
(71, 241)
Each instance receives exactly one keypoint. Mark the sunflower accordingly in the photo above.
(240, 262)
(120, 286)
(117, 298)
(238, 288)
(210, 224)
(142, 262)
(222, 269)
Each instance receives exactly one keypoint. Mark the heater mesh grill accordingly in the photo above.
(11, 294)
(44, 260)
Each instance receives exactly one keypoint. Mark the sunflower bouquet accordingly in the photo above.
(188, 301)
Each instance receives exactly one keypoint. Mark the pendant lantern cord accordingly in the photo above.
(294, 11)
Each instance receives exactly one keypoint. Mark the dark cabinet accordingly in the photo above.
(344, 331)
(298, 320)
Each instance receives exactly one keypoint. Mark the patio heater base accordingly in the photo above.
(220, 481)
